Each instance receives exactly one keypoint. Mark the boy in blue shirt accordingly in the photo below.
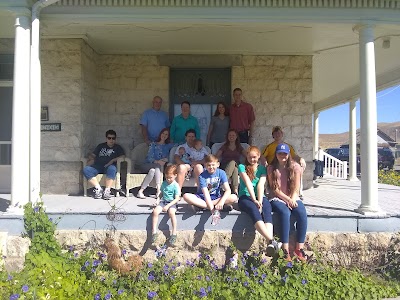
(214, 192)
(171, 194)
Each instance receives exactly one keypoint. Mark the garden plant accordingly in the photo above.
(53, 271)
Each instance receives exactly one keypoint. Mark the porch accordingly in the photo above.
(330, 205)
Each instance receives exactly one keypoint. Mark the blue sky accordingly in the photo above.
(336, 119)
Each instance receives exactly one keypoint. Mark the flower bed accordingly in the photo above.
(54, 273)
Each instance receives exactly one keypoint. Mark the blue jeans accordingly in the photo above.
(91, 171)
(284, 213)
(248, 206)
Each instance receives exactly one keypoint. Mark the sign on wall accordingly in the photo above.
(51, 127)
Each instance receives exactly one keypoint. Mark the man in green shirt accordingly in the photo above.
(182, 123)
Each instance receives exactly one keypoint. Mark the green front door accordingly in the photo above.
(203, 88)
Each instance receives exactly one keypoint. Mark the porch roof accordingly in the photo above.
(323, 29)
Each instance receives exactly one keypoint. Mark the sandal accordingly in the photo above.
(154, 237)
(172, 239)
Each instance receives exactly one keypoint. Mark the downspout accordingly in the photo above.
(35, 102)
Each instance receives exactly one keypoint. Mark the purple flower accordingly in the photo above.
(97, 297)
(96, 263)
(114, 281)
(102, 278)
(263, 276)
(151, 294)
(228, 279)
(14, 297)
(149, 265)
(200, 255)
(9, 277)
(87, 263)
(166, 267)
(208, 257)
(263, 260)
(207, 278)
(93, 270)
(76, 254)
(202, 292)
(36, 209)
(261, 281)
(120, 291)
(245, 283)
(51, 219)
(71, 248)
(284, 278)
(289, 264)
(123, 251)
(199, 277)
(304, 281)
(209, 288)
(246, 273)
(178, 264)
(107, 296)
(166, 272)
(151, 277)
(25, 288)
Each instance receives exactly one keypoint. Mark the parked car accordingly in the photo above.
(385, 158)
(339, 153)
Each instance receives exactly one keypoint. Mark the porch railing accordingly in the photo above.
(334, 167)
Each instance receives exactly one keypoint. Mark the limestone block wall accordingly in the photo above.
(362, 250)
(126, 87)
(62, 87)
(89, 99)
(280, 89)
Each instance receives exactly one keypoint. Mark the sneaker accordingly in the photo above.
(140, 195)
(227, 207)
(216, 216)
(273, 248)
(98, 193)
(301, 255)
(286, 255)
(172, 239)
(107, 195)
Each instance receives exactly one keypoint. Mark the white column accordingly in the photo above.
(316, 134)
(35, 109)
(20, 115)
(369, 160)
(353, 142)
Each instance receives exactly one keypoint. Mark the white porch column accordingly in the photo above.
(20, 113)
(369, 160)
(316, 134)
(353, 141)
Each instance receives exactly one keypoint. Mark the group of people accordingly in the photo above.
(277, 168)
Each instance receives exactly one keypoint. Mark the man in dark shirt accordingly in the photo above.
(242, 117)
(104, 160)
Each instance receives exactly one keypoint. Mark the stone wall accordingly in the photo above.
(280, 89)
(126, 87)
(366, 251)
(62, 86)
(90, 93)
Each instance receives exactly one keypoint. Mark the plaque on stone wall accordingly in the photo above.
(51, 127)
(44, 115)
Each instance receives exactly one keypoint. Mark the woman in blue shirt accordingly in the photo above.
(156, 158)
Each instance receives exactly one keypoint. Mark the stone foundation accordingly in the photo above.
(366, 251)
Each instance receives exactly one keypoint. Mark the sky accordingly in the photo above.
(336, 119)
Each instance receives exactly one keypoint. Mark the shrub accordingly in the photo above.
(53, 273)
(389, 177)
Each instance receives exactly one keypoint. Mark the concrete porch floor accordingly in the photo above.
(330, 206)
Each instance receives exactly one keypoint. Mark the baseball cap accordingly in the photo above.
(276, 128)
(282, 148)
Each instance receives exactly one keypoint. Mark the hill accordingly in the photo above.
(335, 140)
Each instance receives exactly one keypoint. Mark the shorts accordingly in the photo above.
(164, 203)
(213, 197)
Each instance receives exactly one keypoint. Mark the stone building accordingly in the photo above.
(96, 65)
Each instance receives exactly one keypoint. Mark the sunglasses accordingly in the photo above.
(111, 138)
